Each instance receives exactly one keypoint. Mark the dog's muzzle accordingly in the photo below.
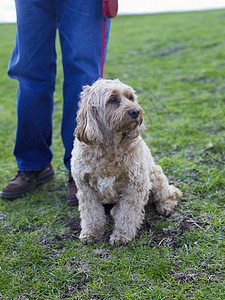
(134, 113)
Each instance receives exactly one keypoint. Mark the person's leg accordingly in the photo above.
(33, 63)
(80, 26)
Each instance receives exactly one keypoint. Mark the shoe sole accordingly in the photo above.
(11, 196)
(72, 202)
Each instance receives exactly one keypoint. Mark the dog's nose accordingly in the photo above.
(134, 113)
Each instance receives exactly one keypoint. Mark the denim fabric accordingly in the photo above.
(33, 64)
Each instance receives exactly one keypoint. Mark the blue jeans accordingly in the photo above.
(33, 64)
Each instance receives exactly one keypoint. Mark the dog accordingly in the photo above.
(111, 164)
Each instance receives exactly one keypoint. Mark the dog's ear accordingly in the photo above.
(88, 125)
(81, 126)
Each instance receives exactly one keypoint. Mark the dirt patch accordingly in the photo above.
(73, 223)
(168, 51)
(168, 235)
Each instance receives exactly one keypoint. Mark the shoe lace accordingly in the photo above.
(23, 175)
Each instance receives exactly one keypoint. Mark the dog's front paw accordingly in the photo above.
(119, 238)
(87, 236)
(166, 207)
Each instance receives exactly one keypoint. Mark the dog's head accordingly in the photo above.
(108, 111)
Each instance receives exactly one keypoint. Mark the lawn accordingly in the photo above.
(176, 64)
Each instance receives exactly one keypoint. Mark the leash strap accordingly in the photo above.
(103, 38)
(110, 8)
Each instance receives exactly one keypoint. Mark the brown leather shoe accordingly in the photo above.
(71, 191)
(25, 181)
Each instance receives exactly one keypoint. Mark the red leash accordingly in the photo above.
(110, 8)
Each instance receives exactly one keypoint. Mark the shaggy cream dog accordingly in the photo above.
(112, 164)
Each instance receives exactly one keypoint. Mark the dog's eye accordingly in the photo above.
(113, 100)
(131, 98)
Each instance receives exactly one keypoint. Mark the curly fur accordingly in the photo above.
(112, 164)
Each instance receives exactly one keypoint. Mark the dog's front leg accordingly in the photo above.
(128, 217)
(165, 196)
(92, 215)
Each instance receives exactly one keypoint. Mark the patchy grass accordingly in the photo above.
(176, 64)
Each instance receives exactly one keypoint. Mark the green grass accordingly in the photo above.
(176, 64)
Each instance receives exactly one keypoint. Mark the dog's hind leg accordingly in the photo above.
(165, 196)
(92, 215)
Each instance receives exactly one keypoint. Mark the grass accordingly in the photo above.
(176, 64)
